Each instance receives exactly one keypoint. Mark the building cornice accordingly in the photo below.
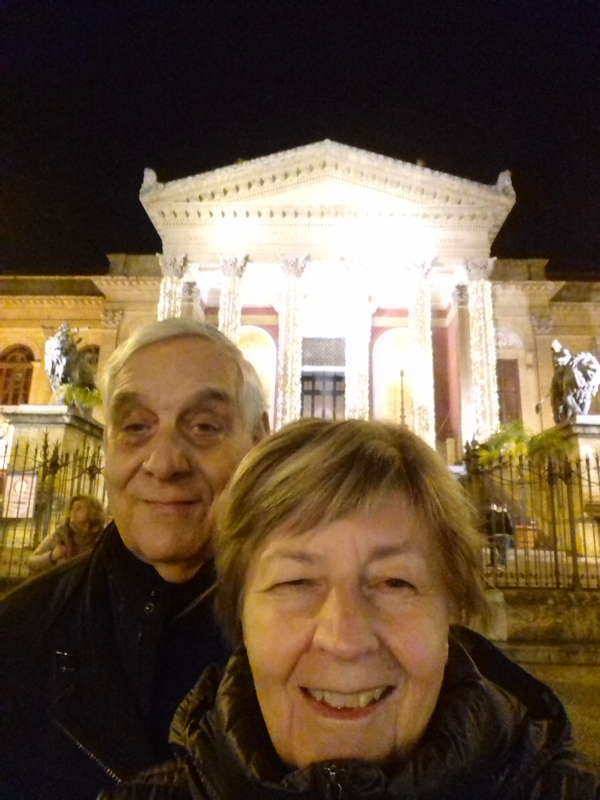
(540, 289)
(181, 215)
(127, 281)
(17, 301)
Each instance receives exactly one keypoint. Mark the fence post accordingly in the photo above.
(568, 479)
(552, 478)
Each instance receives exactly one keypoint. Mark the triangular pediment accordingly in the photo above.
(323, 173)
(326, 183)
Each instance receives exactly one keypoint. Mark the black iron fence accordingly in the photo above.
(37, 481)
(541, 517)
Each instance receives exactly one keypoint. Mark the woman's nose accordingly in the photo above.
(167, 457)
(345, 625)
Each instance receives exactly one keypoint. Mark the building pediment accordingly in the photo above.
(328, 176)
(327, 200)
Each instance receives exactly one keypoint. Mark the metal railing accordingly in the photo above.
(542, 519)
(37, 481)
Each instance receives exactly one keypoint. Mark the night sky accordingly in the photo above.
(94, 92)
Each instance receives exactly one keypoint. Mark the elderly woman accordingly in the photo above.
(77, 535)
(347, 557)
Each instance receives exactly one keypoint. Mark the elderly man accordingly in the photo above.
(96, 654)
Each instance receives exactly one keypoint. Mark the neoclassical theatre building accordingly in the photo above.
(357, 284)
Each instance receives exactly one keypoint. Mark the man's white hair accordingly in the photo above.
(250, 395)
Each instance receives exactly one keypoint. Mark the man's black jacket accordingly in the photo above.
(94, 658)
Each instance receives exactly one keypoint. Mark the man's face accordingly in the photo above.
(346, 629)
(174, 435)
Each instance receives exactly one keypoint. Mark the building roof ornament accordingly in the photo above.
(150, 181)
(504, 182)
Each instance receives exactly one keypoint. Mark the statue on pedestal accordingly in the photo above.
(72, 370)
(574, 384)
(60, 356)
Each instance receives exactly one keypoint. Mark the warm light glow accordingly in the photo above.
(394, 352)
(259, 349)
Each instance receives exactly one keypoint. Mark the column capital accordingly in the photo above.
(479, 269)
(542, 323)
(294, 266)
(172, 266)
(419, 270)
(234, 267)
(111, 318)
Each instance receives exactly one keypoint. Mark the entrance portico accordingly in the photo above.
(328, 242)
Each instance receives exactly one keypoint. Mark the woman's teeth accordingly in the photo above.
(347, 700)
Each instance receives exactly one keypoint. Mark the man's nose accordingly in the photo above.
(345, 625)
(168, 456)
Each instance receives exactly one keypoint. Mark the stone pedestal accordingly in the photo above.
(583, 434)
(68, 429)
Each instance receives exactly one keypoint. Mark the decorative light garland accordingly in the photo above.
(289, 360)
(230, 301)
(483, 348)
(359, 312)
(170, 302)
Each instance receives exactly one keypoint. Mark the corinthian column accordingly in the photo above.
(289, 356)
(482, 346)
(359, 314)
(171, 286)
(230, 305)
(422, 379)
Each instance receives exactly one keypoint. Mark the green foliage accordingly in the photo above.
(511, 440)
(514, 440)
(82, 397)
(551, 442)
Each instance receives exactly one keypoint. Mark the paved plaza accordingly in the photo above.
(578, 686)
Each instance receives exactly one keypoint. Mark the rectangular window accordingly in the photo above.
(323, 395)
(509, 392)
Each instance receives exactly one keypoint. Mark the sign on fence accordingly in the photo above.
(19, 495)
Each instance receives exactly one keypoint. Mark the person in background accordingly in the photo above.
(77, 534)
(96, 654)
(348, 562)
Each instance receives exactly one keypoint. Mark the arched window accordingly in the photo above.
(16, 368)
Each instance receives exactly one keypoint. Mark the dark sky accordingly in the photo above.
(94, 92)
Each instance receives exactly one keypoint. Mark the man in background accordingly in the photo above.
(95, 655)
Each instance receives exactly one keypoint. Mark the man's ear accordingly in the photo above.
(262, 428)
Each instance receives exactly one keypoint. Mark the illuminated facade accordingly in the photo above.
(356, 284)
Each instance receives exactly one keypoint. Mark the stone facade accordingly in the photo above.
(329, 243)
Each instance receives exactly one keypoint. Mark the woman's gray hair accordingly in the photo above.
(251, 396)
(313, 472)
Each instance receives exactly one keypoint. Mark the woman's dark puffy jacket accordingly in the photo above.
(497, 734)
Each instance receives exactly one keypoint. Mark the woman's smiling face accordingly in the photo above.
(346, 629)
